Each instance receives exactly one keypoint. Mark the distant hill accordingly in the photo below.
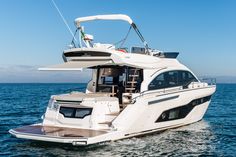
(30, 74)
(226, 79)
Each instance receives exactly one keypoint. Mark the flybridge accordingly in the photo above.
(79, 58)
(88, 54)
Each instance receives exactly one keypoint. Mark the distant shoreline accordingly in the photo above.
(43, 82)
(75, 83)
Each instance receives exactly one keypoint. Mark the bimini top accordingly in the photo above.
(103, 17)
(122, 17)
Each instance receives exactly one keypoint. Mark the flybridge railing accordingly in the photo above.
(209, 81)
(204, 83)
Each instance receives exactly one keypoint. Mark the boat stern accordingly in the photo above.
(74, 136)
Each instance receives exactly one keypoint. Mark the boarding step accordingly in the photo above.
(130, 88)
(130, 82)
(131, 75)
(113, 114)
(106, 122)
(129, 96)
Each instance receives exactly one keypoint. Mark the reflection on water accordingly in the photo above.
(215, 135)
(194, 139)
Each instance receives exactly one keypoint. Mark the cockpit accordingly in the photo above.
(117, 81)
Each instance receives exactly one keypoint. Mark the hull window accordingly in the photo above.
(172, 79)
(182, 111)
(70, 112)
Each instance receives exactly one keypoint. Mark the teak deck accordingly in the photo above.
(58, 131)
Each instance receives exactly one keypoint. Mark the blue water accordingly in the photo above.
(23, 104)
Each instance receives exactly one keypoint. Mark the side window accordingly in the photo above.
(171, 79)
(191, 77)
(70, 112)
(157, 83)
(67, 111)
(185, 78)
(164, 80)
(82, 112)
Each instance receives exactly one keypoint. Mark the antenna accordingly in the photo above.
(64, 20)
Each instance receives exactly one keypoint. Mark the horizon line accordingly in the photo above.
(76, 83)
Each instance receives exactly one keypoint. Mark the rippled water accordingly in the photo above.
(23, 104)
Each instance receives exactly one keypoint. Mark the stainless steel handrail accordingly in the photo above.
(209, 81)
(166, 90)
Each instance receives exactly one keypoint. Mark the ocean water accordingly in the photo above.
(23, 104)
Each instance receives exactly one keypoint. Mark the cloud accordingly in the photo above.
(30, 74)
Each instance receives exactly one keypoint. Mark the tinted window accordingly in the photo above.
(164, 80)
(182, 111)
(185, 78)
(82, 112)
(157, 83)
(67, 112)
(70, 112)
(171, 79)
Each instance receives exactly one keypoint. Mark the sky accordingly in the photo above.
(33, 35)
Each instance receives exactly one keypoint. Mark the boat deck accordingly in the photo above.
(58, 132)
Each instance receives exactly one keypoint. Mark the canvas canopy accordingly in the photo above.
(74, 65)
(103, 17)
(112, 17)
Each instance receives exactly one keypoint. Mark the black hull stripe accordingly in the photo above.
(164, 99)
(181, 111)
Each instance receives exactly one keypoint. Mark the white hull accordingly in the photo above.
(127, 127)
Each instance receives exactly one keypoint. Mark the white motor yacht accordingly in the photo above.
(131, 93)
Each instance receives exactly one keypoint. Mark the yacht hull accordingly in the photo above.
(136, 119)
(83, 137)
